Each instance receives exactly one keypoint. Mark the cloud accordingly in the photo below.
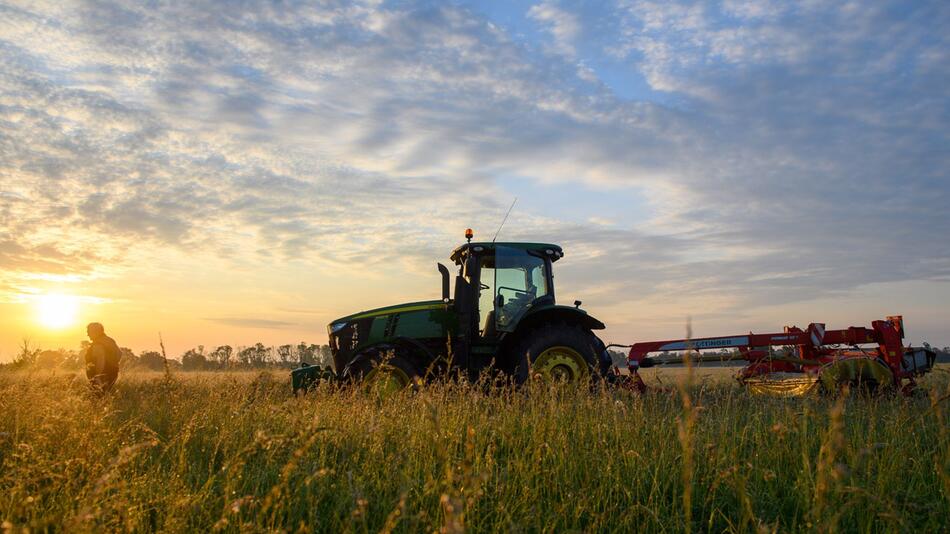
(562, 25)
(244, 322)
(798, 150)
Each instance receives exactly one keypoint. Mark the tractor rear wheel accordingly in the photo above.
(557, 352)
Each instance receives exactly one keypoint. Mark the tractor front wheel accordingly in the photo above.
(557, 352)
(385, 372)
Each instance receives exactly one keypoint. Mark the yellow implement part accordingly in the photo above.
(783, 384)
(854, 371)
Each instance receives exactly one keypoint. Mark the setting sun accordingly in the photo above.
(57, 311)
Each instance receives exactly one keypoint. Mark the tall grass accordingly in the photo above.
(230, 452)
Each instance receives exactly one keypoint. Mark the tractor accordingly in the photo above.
(502, 320)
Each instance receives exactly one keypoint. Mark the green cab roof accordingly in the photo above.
(541, 247)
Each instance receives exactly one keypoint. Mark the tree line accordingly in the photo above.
(220, 358)
(256, 356)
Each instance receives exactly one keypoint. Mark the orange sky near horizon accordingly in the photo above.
(216, 307)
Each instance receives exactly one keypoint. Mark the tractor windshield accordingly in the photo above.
(520, 278)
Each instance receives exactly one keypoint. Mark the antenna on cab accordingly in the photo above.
(504, 220)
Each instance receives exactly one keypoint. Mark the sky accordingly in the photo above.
(234, 172)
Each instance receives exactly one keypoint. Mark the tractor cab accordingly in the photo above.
(499, 283)
(504, 297)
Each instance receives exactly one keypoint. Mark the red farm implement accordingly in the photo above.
(812, 359)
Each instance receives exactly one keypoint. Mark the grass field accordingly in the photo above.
(237, 452)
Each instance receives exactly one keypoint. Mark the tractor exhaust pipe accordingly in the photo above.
(445, 282)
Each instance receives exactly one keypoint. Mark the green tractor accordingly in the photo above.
(502, 319)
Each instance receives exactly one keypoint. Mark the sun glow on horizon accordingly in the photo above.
(57, 311)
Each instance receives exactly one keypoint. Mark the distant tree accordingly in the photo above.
(263, 355)
(254, 356)
(309, 353)
(194, 359)
(152, 360)
(27, 355)
(49, 359)
(304, 352)
(243, 356)
(222, 356)
(127, 358)
(285, 354)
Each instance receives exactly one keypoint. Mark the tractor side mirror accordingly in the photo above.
(445, 282)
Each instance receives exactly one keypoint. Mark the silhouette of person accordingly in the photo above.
(102, 358)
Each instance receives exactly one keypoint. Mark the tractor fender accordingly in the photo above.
(558, 313)
(564, 315)
(415, 347)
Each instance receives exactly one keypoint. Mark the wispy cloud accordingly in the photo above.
(245, 322)
(563, 25)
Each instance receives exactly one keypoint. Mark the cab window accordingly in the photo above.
(520, 279)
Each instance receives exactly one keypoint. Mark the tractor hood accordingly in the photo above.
(387, 310)
(427, 319)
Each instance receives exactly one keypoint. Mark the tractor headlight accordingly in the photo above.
(336, 327)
